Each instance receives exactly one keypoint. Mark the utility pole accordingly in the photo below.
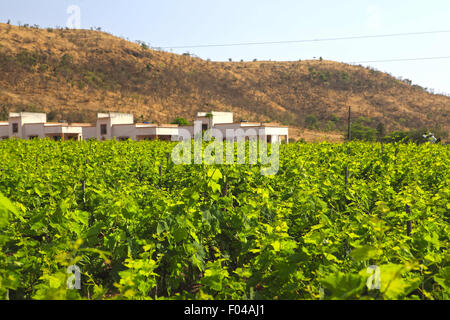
(349, 134)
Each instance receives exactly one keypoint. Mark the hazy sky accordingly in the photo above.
(167, 23)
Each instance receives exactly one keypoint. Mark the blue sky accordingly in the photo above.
(176, 23)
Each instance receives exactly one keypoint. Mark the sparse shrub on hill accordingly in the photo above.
(4, 112)
(43, 67)
(334, 118)
(331, 126)
(311, 121)
(142, 44)
(27, 59)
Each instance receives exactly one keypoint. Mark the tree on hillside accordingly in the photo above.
(361, 132)
(181, 122)
(52, 115)
(311, 121)
(4, 113)
(381, 130)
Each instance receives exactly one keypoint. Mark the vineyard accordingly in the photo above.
(140, 227)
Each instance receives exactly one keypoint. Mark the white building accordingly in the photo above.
(26, 125)
(223, 121)
(121, 126)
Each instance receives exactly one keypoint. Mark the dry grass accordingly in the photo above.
(101, 72)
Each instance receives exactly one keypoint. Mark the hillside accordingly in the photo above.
(72, 74)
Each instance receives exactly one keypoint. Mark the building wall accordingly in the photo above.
(239, 130)
(12, 121)
(121, 118)
(149, 131)
(222, 117)
(280, 131)
(112, 119)
(173, 132)
(63, 132)
(89, 132)
(217, 117)
(33, 118)
(107, 122)
(123, 131)
(4, 131)
(181, 129)
(36, 129)
(22, 119)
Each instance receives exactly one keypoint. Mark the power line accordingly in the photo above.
(399, 60)
(308, 40)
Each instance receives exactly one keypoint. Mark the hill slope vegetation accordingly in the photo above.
(72, 74)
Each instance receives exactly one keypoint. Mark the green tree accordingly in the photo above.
(311, 121)
(181, 122)
(381, 130)
(361, 132)
(334, 118)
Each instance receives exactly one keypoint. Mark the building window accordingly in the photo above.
(57, 138)
(123, 138)
(204, 127)
(33, 137)
(15, 127)
(103, 129)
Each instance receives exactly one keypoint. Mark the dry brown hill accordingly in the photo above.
(73, 74)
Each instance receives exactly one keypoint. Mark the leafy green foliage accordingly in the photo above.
(415, 136)
(181, 122)
(360, 131)
(141, 227)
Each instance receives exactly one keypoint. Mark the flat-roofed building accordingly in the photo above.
(223, 122)
(111, 125)
(121, 126)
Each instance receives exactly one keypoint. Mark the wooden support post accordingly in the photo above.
(395, 154)
(83, 187)
(408, 223)
(346, 177)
